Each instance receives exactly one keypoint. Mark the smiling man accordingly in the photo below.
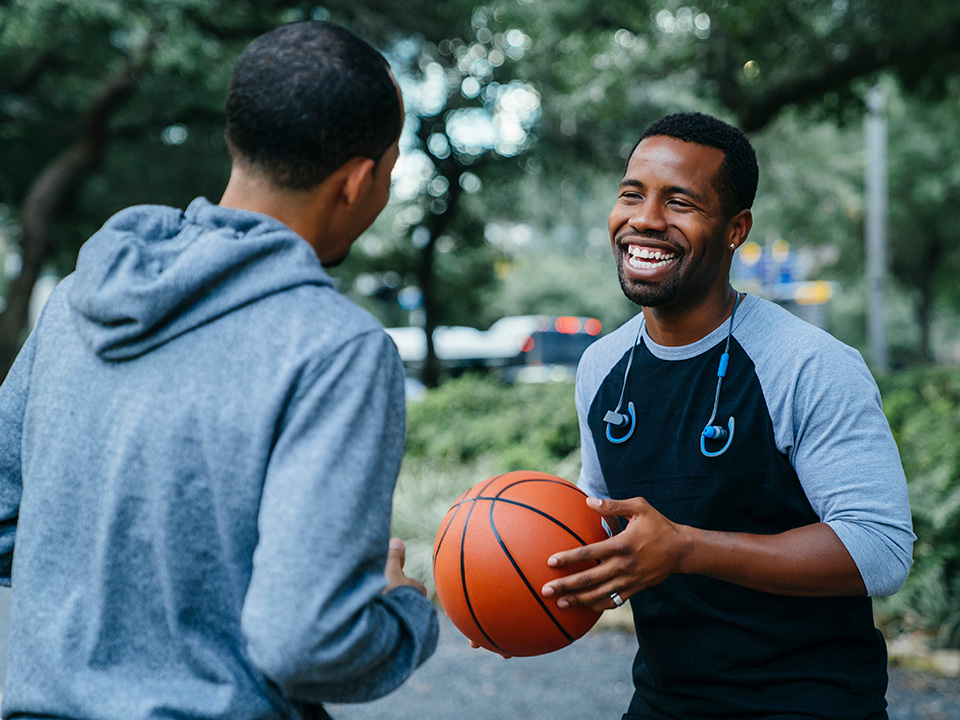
(746, 455)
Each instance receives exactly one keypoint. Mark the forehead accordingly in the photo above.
(665, 160)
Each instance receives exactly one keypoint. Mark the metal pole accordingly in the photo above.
(875, 130)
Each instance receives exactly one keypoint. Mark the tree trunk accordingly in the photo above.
(58, 181)
(931, 258)
(430, 375)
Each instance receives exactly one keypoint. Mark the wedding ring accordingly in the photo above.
(618, 601)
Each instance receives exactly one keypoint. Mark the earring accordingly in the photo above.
(733, 246)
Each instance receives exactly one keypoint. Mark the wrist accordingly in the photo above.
(687, 555)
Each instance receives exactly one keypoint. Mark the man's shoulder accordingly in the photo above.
(770, 329)
(791, 355)
(602, 355)
(322, 313)
(614, 344)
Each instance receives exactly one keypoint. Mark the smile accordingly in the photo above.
(646, 258)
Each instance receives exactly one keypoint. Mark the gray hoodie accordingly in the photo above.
(198, 449)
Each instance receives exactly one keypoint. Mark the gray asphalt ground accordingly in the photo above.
(587, 680)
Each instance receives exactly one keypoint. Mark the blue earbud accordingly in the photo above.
(716, 432)
(713, 432)
(614, 418)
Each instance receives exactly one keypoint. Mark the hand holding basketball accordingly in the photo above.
(490, 561)
(645, 553)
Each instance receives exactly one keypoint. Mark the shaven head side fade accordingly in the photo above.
(736, 180)
(307, 97)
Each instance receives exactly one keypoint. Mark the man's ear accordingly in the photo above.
(738, 228)
(357, 179)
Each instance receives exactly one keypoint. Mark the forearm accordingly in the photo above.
(808, 561)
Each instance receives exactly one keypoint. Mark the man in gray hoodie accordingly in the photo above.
(199, 441)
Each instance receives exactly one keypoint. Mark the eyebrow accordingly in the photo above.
(672, 189)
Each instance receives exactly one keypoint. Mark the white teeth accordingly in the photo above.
(652, 257)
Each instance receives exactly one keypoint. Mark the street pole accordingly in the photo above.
(875, 226)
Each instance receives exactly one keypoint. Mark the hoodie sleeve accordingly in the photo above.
(315, 616)
(13, 400)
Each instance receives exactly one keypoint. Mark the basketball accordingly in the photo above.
(490, 562)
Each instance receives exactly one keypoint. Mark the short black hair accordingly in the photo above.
(736, 180)
(305, 98)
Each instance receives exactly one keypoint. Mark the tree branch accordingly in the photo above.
(755, 113)
(48, 194)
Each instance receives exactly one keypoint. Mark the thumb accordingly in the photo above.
(607, 507)
(630, 508)
(397, 551)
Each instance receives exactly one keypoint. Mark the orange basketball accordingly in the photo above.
(490, 561)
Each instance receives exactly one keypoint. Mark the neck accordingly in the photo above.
(299, 211)
(673, 326)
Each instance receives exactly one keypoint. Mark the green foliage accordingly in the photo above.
(923, 408)
(473, 418)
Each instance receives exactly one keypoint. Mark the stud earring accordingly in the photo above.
(733, 246)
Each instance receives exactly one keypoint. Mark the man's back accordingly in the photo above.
(187, 541)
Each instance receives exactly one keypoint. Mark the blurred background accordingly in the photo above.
(491, 265)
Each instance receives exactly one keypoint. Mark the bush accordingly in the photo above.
(923, 407)
(520, 427)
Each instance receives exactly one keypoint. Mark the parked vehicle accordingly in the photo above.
(532, 348)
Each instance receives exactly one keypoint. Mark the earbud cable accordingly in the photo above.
(724, 359)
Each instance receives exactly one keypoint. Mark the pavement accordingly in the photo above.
(588, 679)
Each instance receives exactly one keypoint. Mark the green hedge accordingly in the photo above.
(522, 426)
(923, 407)
(474, 427)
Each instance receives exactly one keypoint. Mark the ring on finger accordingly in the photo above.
(617, 600)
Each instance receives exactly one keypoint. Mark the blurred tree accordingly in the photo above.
(107, 103)
(120, 102)
(103, 82)
(469, 123)
(793, 75)
(924, 182)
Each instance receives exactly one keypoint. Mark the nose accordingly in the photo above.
(647, 215)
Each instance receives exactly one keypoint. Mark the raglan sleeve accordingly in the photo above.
(316, 619)
(13, 400)
(591, 476)
(848, 464)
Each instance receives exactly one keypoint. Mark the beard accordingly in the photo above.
(647, 294)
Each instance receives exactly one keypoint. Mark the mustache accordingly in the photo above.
(653, 235)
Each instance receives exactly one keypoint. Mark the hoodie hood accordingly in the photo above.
(152, 273)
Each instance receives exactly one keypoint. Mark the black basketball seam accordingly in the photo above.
(479, 496)
(436, 551)
(463, 574)
(493, 501)
(534, 593)
(536, 510)
(532, 508)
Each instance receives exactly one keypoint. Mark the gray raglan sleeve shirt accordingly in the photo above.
(827, 420)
